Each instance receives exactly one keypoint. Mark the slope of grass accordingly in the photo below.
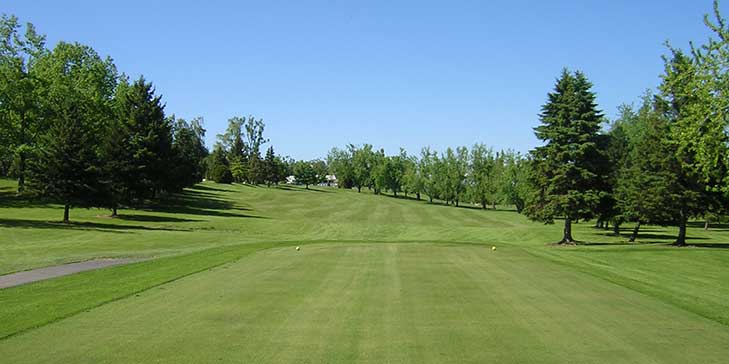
(384, 303)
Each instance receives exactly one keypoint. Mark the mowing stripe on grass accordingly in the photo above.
(40, 303)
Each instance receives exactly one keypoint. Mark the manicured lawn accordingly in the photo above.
(378, 280)
(381, 303)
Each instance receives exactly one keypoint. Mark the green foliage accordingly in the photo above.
(219, 169)
(21, 120)
(566, 170)
(341, 164)
(306, 173)
(515, 185)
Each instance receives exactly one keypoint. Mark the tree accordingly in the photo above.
(697, 85)
(566, 169)
(515, 186)
(218, 166)
(189, 152)
(76, 102)
(341, 165)
(149, 151)
(678, 103)
(271, 168)
(243, 140)
(21, 121)
(428, 169)
(361, 166)
(481, 175)
(413, 181)
(305, 173)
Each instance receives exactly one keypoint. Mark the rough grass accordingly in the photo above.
(443, 297)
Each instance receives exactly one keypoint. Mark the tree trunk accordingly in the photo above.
(567, 237)
(22, 156)
(417, 194)
(113, 211)
(484, 204)
(706, 224)
(681, 239)
(494, 205)
(598, 224)
(616, 229)
(307, 186)
(430, 198)
(634, 235)
(456, 202)
(21, 172)
(66, 209)
(359, 188)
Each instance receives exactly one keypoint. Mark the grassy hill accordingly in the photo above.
(379, 279)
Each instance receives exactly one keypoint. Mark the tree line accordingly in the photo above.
(663, 162)
(75, 131)
(477, 176)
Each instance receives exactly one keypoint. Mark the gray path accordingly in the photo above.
(16, 279)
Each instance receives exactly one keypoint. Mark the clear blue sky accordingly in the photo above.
(390, 73)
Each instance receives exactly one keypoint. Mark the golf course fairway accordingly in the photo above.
(380, 303)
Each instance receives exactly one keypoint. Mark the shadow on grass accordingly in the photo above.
(93, 226)
(193, 202)
(709, 245)
(152, 218)
(202, 187)
(301, 189)
(712, 226)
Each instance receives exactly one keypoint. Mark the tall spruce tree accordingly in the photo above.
(149, 150)
(566, 170)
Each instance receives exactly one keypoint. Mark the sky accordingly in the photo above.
(390, 73)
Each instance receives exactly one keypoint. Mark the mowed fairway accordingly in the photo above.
(378, 280)
(381, 303)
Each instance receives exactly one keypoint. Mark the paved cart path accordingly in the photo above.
(16, 279)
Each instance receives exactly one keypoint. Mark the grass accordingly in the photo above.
(379, 279)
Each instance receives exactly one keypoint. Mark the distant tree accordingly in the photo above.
(565, 169)
(270, 167)
(242, 141)
(305, 173)
(481, 181)
(218, 166)
(21, 121)
(515, 186)
(320, 169)
(362, 166)
(189, 152)
(428, 166)
(379, 171)
(341, 164)
(413, 180)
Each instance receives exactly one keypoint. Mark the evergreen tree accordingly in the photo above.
(566, 172)
(148, 153)
(218, 166)
(271, 168)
